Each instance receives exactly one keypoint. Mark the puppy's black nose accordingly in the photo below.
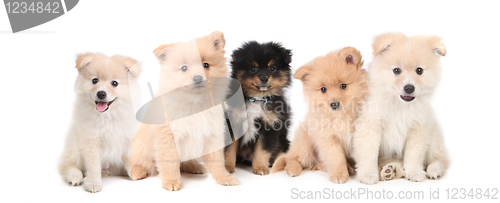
(335, 105)
(198, 79)
(101, 94)
(264, 79)
(409, 89)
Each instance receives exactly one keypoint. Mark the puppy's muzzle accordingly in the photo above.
(335, 105)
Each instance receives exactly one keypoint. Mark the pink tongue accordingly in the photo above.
(101, 106)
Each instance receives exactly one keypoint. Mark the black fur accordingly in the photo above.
(273, 136)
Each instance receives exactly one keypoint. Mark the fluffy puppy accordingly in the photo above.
(334, 85)
(103, 124)
(399, 129)
(264, 72)
(198, 130)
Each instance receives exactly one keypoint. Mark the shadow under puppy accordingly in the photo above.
(264, 72)
(194, 130)
(333, 87)
(103, 122)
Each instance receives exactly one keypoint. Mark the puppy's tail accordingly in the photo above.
(279, 164)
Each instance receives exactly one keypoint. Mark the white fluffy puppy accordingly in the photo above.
(103, 124)
(397, 134)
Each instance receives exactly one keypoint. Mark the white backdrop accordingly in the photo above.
(37, 71)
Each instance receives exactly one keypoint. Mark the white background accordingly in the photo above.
(37, 76)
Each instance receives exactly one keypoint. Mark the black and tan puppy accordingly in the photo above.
(264, 72)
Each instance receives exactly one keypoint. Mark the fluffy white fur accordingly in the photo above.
(99, 142)
(392, 133)
(255, 110)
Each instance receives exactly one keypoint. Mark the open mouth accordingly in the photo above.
(262, 88)
(103, 106)
(407, 98)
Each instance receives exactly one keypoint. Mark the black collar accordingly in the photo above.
(264, 99)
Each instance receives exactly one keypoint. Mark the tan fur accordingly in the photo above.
(276, 85)
(260, 162)
(255, 64)
(271, 62)
(162, 147)
(323, 140)
(230, 156)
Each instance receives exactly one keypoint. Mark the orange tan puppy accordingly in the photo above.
(334, 85)
(198, 132)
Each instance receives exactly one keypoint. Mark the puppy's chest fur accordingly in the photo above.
(113, 130)
(200, 127)
(260, 115)
(397, 121)
(323, 126)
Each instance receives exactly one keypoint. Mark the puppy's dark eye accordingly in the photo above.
(114, 83)
(253, 69)
(396, 71)
(95, 81)
(272, 68)
(206, 65)
(323, 89)
(184, 68)
(420, 71)
(343, 86)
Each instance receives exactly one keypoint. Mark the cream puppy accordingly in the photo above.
(397, 134)
(195, 127)
(104, 122)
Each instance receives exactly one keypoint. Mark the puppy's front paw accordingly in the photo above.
(92, 185)
(434, 171)
(230, 168)
(339, 177)
(260, 170)
(228, 180)
(368, 179)
(415, 175)
(171, 184)
(387, 172)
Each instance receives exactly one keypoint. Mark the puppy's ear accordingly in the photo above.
(217, 39)
(132, 65)
(161, 52)
(437, 46)
(352, 56)
(382, 42)
(83, 60)
(302, 72)
(287, 55)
